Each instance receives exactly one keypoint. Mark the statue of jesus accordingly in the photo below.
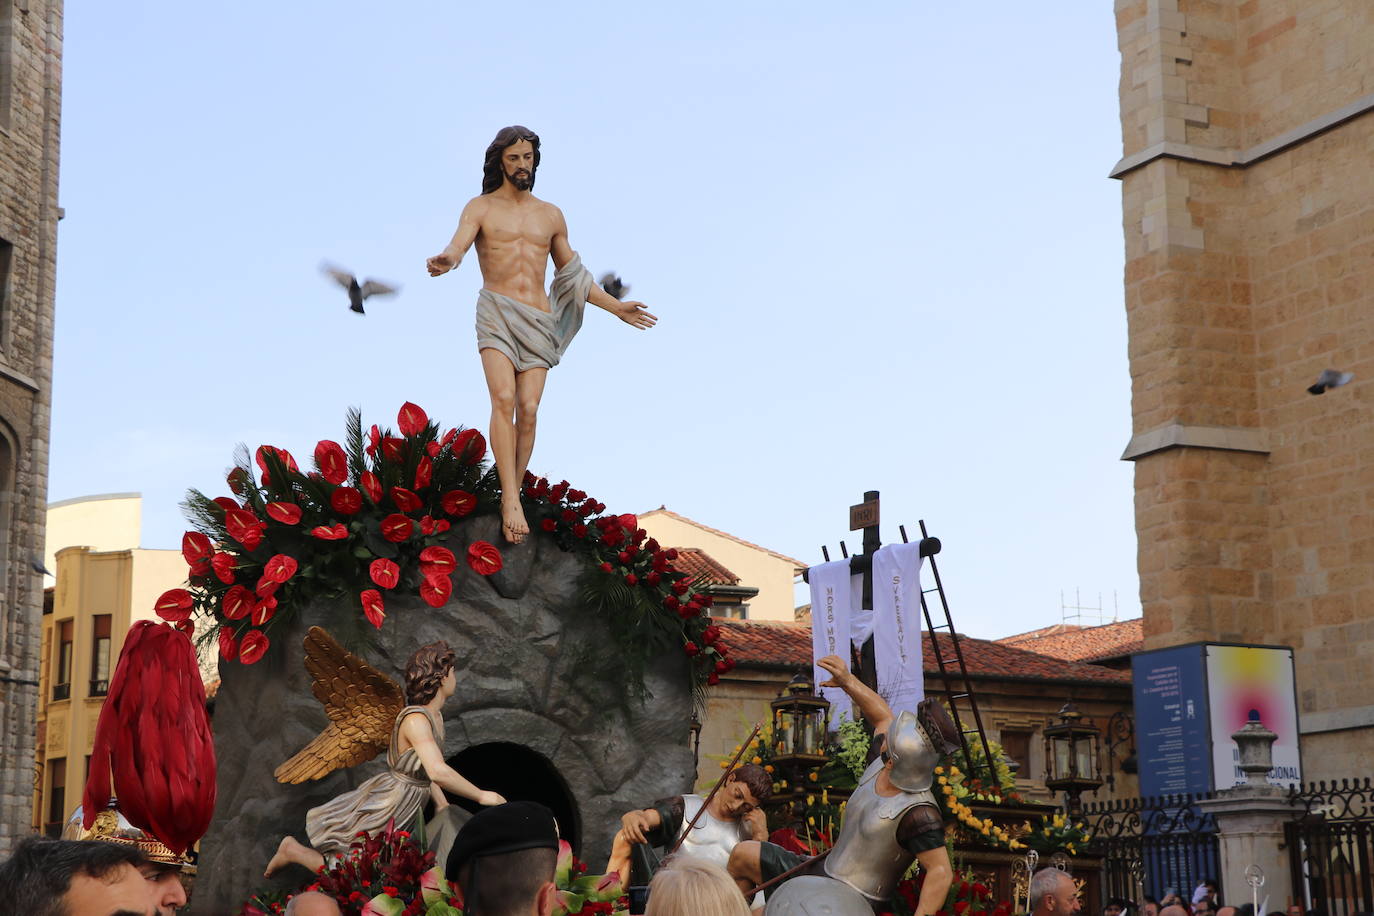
(521, 331)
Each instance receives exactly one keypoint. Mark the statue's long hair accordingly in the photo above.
(492, 174)
(426, 670)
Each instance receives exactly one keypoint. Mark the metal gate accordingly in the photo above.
(1153, 846)
(1331, 847)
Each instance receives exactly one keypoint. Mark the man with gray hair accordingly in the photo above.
(312, 903)
(1053, 893)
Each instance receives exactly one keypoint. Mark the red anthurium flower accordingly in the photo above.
(225, 503)
(228, 645)
(184, 626)
(196, 548)
(405, 500)
(373, 608)
(397, 528)
(438, 561)
(470, 446)
(671, 603)
(441, 526)
(411, 419)
(345, 501)
(710, 635)
(331, 532)
(266, 587)
(427, 525)
(384, 572)
(424, 472)
(282, 454)
(691, 648)
(448, 438)
(484, 558)
(374, 439)
(263, 611)
(606, 567)
(223, 565)
(436, 589)
(280, 568)
(628, 522)
(253, 646)
(631, 579)
(394, 449)
(458, 503)
(548, 524)
(174, 605)
(371, 486)
(286, 513)
(244, 527)
(331, 460)
(237, 603)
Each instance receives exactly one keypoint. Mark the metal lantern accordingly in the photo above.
(800, 722)
(1071, 757)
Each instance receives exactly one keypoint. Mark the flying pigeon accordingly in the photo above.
(614, 285)
(38, 566)
(357, 293)
(1330, 378)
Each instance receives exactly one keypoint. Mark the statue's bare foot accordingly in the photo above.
(292, 852)
(513, 520)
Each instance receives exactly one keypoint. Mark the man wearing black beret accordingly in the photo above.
(503, 861)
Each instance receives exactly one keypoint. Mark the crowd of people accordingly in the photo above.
(1053, 893)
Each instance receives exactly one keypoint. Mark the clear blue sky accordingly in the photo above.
(880, 241)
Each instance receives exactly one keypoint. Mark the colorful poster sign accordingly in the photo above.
(1259, 678)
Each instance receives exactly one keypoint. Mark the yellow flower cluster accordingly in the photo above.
(965, 814)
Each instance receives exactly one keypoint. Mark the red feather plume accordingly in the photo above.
(153, 740)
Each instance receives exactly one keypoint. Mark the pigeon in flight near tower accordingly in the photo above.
(1330, 378)
(357, 292)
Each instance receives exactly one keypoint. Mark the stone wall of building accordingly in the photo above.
(1248, 209)
(30, 91)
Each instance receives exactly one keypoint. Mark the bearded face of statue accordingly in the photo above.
(517, 162)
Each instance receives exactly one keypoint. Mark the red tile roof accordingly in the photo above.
(663, 510)
(774, 643)
(1076, 643)
(702, 566)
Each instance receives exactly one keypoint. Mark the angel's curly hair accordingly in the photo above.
(426, 670)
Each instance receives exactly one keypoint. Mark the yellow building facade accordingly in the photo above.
(98, 595)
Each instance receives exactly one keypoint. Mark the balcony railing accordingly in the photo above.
(61, 692)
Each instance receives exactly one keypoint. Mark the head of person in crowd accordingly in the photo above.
(1174, 909)
(1053, 893)
(163, 868)
(1203, 907)
(690, 886)
(1227, 911)
(312, 903)
(1149, 906)
(1115, 906)
(503, 861)
(1295, 909)
(79, 878)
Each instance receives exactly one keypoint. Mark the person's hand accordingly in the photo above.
(441, 263)
(757, 822)
(632, 313)
(634, 824)
(490, 798)
(837, 668)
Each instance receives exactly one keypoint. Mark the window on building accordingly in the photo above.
(100, 655)
(62, 687)
(1016, 745)
(731, 611)
(57, 797)
(6, 261)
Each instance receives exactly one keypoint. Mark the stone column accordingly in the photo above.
(1250, 819)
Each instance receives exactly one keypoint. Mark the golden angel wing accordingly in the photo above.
(362, 705)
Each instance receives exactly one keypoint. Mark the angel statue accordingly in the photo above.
(368, 712)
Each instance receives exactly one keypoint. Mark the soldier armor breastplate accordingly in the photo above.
(710, 839)
(867, 855)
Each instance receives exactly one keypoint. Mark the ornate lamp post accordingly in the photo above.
(1071, 761)
(800, 721)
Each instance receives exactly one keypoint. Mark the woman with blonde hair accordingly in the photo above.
(689, 886)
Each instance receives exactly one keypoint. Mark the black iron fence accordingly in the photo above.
(1331, 846)
(1153, 846)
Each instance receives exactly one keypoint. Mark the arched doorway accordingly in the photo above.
(520, 774)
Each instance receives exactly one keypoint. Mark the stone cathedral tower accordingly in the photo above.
(30, 107)
(1248, 204)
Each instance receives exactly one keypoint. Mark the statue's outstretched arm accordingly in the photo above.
(469, 223)
(415, 727)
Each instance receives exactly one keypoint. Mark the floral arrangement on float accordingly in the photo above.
(370, 522)
(1057, 833)
(392, 875)
(966, 897)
